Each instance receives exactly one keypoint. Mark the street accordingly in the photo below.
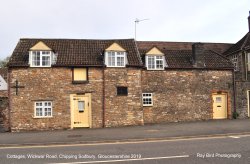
(224, 149)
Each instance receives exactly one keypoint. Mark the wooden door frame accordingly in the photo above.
(227, 103)
(71, 108)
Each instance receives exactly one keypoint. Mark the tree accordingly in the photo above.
(4, 62)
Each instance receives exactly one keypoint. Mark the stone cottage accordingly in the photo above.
(239, 54)
(71, 83)
(4, 113)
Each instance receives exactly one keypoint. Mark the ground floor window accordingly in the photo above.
(43, 109)
(122, 91)
(147, 99)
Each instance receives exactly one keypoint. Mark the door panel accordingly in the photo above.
(219, 106)
(80, 111)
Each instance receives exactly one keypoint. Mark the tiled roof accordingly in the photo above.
(217, 47)
(179, 55)
(183, 59)
(79, 52)
(243, 43)
(75, 52)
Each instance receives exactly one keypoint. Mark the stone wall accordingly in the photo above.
(179, 95)
(242, 98)
(242, 81)
(184, 95)
(4, 114)
(123, 110)
(54, 84)
(4, 93)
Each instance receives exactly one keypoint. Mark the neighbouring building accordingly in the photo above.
(239, 54)
(70, 83)
(195, 83)
(4, 112)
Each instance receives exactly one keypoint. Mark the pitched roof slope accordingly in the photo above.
(179, 54)
(75, 52)
(217, 47)
(243, 43)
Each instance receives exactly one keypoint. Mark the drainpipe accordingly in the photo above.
(103, 94)
(246, 64)
(234, 92)
(9, 106)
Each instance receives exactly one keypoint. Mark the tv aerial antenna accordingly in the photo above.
(138, 21)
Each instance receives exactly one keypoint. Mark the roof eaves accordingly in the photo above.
(245, 41)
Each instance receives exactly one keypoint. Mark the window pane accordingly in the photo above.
(43, 109)
(120, 61)
(36, 58)
(122, 91)
(159, 64)
(151, 62)
(39, 112)
(45, 52)
(111, 58)
(81, 105)
(218, 99)
(45, 60)
(147, 99)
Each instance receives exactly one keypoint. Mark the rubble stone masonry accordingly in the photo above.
(123, 110)
(184, 95)
(53, 84)
(178, 95)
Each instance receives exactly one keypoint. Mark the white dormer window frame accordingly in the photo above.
(43, 58)
(155, 62)
(115, 58)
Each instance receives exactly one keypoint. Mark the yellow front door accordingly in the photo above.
(219, 106)
(80, 108)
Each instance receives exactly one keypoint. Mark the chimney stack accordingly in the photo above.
(198, 55)
(249, 22)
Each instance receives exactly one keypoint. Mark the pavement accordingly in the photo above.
(166, 131)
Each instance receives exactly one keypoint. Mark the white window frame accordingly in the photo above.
(155, 62)
(248, 61)
(50, 55)
(117, 54)
(43, 106)
(234, 60)
(147, 96)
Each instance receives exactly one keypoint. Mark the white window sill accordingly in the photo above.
(155, 69)
(148, 105)
(40, 66)
(43, 117)
(116, 66)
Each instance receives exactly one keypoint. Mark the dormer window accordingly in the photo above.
(155, 62)
(41, 58)
(40, 55)
(155, 59)
(115, 56)
(115, 59)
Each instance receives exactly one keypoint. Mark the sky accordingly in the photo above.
(223, 21)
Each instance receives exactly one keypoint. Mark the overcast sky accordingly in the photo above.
(169, 20)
